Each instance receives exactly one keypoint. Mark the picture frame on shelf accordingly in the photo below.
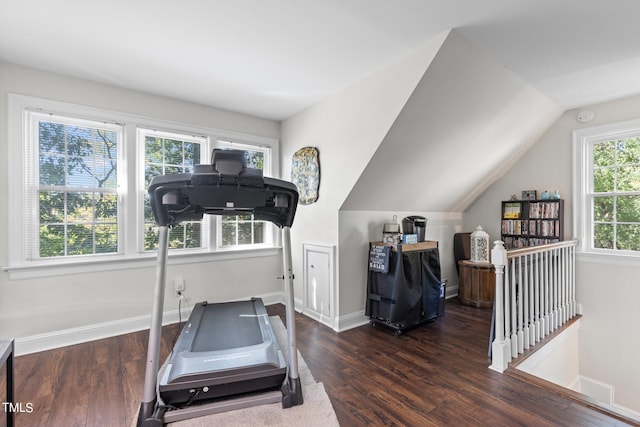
(529, 195)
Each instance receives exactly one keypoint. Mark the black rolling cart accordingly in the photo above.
(404, 285)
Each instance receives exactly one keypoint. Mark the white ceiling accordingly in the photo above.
(275, 58)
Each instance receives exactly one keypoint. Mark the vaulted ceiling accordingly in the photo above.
(276, 58)
(464, 125)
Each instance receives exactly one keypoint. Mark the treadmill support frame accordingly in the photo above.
(152, 411)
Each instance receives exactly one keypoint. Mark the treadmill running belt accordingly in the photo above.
(227, 326)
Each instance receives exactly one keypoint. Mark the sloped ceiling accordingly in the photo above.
(465, 124)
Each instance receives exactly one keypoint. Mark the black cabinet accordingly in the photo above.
(411, 292)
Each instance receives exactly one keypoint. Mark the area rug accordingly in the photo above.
(315, 411)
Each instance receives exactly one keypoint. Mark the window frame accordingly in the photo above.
(583, 194)
(129, 192)
(269, 235)
(141, 191)
(33, 186)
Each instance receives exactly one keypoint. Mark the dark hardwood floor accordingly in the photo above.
(436, 374)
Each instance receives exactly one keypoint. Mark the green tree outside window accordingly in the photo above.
(77, 200)
(169, 155)
(616, 198)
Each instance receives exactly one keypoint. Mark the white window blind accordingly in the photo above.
(71, 186)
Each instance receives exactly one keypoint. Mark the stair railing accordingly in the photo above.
(535, 295)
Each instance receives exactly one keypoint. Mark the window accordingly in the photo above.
(239, 230)
(166, 153)
(607, 208)
(78, 187)
(74, 184)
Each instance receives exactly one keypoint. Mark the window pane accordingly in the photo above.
(52, 169)
(79, 207)
(255, 159)
(628, 209)
(228, 233)
(80, 172)
(106, 238)
(150, 237)
(603, 236)
(629, 151)
(604, 154)
(105, 173)
(51, 138)
(173, 152)
(106, 208)
(51, 207)
(193, 233)
(628, 237)
(603, 180)
(153, 150)
(244, 233)
(52, 240)
(79, 239)
(628, 178)
(176, 237)
(191, 155)
(603, 209)
(258, 231)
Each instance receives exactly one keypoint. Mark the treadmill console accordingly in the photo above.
(224, 187)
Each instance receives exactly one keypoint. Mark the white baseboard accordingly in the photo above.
(82, 334)
(351, 321)
(451, 291)
(597, 389)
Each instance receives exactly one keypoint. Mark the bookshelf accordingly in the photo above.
(532, 222)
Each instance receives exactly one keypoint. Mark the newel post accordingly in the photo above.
(500, 348)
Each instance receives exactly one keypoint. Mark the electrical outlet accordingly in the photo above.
(178, 285)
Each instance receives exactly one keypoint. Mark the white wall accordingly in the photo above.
(347, 128)
(609, 344)
(557, 361)
(608, 292)
(50, 304)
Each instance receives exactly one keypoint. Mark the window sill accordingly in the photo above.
(67, 267)
(611, 259)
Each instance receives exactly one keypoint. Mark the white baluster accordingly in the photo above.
(521, 290)
(528, 305)
(500, 348)
(538, 299)
(545, 293)
(513, 307)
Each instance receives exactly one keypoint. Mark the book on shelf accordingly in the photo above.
(543, 209)
(511, 210)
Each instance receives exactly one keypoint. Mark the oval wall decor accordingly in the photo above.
(305, 174)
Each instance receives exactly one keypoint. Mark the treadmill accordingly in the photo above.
(227, 356)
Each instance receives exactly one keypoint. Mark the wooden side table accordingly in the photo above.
(477, 283)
